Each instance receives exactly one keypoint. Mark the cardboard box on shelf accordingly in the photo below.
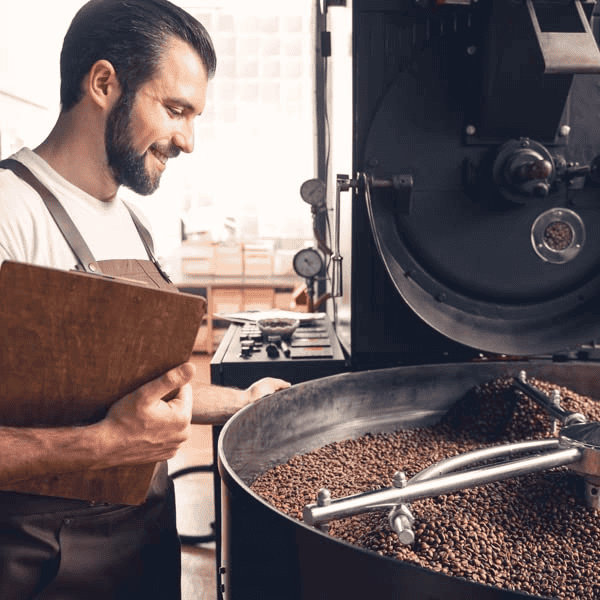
(283, 300)
(228, 260)
(200, 345)
(198, 256)
(258, 261)
(197, 265)
(225, 300)
(259, 298)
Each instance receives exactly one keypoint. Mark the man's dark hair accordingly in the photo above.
(132, 35)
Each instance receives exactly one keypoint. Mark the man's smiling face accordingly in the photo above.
(144, 130)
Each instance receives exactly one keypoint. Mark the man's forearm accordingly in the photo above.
(32, 452)
(213, 404)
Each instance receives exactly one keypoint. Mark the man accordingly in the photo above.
(134, 75)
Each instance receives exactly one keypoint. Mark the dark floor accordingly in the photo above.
(195, 508)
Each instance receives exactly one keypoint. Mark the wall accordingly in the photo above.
(31, 32)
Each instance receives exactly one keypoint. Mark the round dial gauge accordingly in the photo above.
(313, 192)
(308, 262)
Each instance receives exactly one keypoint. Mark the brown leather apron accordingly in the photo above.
(59, 549)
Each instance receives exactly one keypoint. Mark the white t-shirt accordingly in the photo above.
(29, 234)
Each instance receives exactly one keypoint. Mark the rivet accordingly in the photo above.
(323, 497)
(564, 130)
(399, 480)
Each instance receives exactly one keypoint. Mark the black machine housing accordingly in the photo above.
(484, 129)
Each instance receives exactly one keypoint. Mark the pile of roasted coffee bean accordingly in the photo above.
(533, 534)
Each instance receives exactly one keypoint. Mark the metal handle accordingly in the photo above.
(567, 51)
(343, 184)
(402, 183)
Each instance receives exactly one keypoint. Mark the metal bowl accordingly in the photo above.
(278, 327)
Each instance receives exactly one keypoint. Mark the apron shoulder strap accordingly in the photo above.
(83, 254)
(147, 241)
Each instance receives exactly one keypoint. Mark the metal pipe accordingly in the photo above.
(379, 499)
(564, 416)
(469, 458)
(343, 183)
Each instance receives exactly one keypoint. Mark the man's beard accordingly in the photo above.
(127, 165)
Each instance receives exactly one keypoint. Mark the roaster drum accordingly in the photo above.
(270, 556)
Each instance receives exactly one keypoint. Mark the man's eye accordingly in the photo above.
(175, 111)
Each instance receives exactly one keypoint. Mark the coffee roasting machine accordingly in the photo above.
(473, 253)
(476, 157)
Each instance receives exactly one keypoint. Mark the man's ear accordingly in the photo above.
(102, 84)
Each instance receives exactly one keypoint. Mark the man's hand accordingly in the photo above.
(264, 387)
(142, 427)
(139, 428)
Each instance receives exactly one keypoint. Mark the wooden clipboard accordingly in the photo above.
(70, 345)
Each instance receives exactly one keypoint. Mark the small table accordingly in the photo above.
(316, 352)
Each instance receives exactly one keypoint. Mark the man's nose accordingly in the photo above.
(184, 137)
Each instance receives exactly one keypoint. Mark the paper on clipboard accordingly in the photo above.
(254, 315)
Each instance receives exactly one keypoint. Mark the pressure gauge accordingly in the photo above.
(313, 192)
(308, 263)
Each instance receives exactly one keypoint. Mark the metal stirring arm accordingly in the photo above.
(578, 446)
(549, 404)
(440, 479)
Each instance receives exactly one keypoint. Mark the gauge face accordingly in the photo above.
(313, 192)
(308, 262)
